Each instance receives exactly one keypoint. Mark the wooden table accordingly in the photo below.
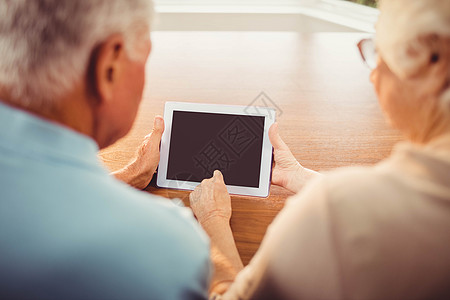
(327, 109)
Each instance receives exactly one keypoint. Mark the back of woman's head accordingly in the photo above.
(411, 33)
(402, 24)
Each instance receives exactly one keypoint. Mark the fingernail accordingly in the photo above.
(158, 122)
(216, 173)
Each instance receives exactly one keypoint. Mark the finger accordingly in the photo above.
(218, 176)
(275, 138)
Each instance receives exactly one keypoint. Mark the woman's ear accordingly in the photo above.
(438, 65)
(104, 69)
(435, 51)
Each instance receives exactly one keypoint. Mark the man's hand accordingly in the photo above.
(287, 171)
(210, 199)
(139, 172)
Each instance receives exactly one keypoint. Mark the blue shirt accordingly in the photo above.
(69, 230)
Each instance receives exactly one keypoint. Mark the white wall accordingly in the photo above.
(264, 15)
(245, 22)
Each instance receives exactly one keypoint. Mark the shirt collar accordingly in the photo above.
(440, 144)
(28, 134)
(438, 147)
(430, 162)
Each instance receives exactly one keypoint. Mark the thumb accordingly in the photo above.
(275, 138)
(157, 131)
(152, 140)
(158, 125)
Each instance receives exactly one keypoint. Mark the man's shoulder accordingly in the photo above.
(157, 218)
(161, 242)
(107, 240)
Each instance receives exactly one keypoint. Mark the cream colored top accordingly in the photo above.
(379, 232)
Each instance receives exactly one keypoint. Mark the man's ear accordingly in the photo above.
(105, 67)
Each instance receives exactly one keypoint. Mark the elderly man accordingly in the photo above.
(71, 80)
(379, 232)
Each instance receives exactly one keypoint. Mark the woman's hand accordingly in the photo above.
(210, 200)
(287, 171)
(139, 172)
(211, 204)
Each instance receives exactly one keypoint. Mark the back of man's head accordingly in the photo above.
(45, 45)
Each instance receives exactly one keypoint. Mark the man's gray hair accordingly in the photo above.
(45, 45)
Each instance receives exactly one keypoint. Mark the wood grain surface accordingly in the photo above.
(327, 109)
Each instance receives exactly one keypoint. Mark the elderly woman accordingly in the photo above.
(380, 232)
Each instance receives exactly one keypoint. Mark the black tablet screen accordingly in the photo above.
(203, 142)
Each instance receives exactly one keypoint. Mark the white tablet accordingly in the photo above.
(201, 138)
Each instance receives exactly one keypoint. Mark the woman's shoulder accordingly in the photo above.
(358, 181)
(358, 190)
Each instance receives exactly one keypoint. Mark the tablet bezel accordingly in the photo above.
(266, 155)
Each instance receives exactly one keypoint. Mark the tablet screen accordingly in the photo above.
(203, 142)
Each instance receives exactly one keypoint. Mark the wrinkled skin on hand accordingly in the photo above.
(210, 199)
(139, 172)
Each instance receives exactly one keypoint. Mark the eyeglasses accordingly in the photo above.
(368, 52)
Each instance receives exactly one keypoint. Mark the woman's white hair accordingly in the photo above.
(399, 28)
(402, 22)
(45, 45)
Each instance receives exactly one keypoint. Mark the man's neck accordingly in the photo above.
(71, 111)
